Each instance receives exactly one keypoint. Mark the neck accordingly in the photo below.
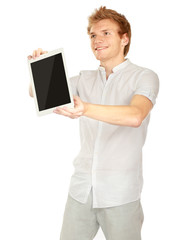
(109, 65)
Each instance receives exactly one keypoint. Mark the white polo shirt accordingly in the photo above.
(110, 158)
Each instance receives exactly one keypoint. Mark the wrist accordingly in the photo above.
(86, 107)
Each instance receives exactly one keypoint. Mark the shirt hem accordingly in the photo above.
(114, 204)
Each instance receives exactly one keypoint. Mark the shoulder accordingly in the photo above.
(85, 77)
(141, 70)
(88, 73)
(85, 74)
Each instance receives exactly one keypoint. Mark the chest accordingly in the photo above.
(116, 90)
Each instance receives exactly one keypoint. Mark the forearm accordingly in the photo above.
(118, 115)
(128, 115)
(30, 90)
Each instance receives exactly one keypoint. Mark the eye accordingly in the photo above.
(92, 36)
(106, 33)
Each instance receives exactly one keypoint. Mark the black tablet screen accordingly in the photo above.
(50, 82)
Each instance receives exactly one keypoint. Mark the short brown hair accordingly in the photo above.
(104, 13)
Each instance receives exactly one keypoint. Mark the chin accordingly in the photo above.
(100, 57)
(102, 60)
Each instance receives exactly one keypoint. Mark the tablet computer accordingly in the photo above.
(50, 82)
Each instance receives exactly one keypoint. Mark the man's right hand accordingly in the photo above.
(36, 53)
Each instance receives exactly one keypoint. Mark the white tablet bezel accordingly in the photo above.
(43, 56)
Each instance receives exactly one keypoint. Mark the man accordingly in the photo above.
(114, 104)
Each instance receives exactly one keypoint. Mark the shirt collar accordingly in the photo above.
(118, 67)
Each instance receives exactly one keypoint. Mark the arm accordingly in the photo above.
(30, 90)
(131, 115)
(36, 53)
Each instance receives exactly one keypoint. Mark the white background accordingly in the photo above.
(37, 152)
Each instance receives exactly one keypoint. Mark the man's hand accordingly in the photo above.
(36, 53)
(78, 110)
(131, 115)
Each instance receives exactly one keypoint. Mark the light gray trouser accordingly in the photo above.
(81, 221)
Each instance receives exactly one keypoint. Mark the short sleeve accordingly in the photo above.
(73, 84)
(148, 85)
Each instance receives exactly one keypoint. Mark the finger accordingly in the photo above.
(75, 112)
(71, 110)
(34, 54)
(74, 117)
(76, 98)
(29, 57)
(66, 113)
(77, 102)
(62, 112)
(39, 52)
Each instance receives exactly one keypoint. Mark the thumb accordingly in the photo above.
(77, 100)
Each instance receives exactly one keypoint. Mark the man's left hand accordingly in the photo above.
(77, 111)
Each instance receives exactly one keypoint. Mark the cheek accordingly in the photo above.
(92, 45)
(117, 46)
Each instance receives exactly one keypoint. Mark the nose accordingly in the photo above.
(98, 39)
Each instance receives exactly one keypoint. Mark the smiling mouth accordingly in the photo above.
(100, 48)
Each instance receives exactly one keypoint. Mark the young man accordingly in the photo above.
(113, 103)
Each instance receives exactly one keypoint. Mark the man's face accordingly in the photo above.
(106, 43)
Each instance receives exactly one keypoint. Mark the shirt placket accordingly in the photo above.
(97, 142)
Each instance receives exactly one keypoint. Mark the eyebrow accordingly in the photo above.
(105, 30)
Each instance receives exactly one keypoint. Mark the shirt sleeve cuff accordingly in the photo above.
(147, 93)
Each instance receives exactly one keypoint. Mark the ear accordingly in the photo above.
(125, 39)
